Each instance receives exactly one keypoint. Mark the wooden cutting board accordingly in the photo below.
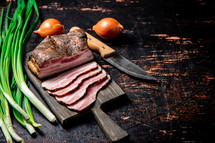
(113, 132)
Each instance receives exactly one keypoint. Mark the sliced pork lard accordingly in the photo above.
(64, 79)
(59, 53)
(90, 97)
(74, 85)
(82, 90)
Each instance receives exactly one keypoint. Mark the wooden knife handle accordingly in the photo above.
(113, 132)
(97, 45)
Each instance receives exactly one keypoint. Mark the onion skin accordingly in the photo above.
(108, 28)
(50, 27)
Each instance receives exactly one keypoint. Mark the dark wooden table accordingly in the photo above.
(173, 41)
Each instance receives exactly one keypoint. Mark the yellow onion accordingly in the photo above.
(108, 28)
(50, 27)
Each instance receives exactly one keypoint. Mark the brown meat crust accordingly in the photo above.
(64, 45)
(60, 46)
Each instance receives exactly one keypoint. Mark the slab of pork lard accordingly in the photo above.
(60, 52)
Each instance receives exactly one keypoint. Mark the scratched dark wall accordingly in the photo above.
(173, 41)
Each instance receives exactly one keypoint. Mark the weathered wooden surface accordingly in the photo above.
(172, 40)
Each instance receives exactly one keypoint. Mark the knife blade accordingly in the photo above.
(128, 67)
(118, 61)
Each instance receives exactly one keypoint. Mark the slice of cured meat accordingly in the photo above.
(73, 86)
(82, 90)
(60, 52)
(68, 77)
(90, 97)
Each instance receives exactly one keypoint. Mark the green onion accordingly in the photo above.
(5, 68)
(17, 95)
(28, 109)
(7, 16)
(17, 60)
(29, 112)
(1, 20)
(7, 119)
(13, 40)
(18, 98)
(5, 112)
(2, 124)
(5, 131)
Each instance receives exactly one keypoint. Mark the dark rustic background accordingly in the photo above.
(173, 41)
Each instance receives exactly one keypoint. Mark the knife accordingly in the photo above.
(118, 61)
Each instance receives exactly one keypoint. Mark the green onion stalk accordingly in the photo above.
(17, 54)
(2, 124)
(5, 62)
(17, 95)
(6, 123)
(28, 109)
(13, 40)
